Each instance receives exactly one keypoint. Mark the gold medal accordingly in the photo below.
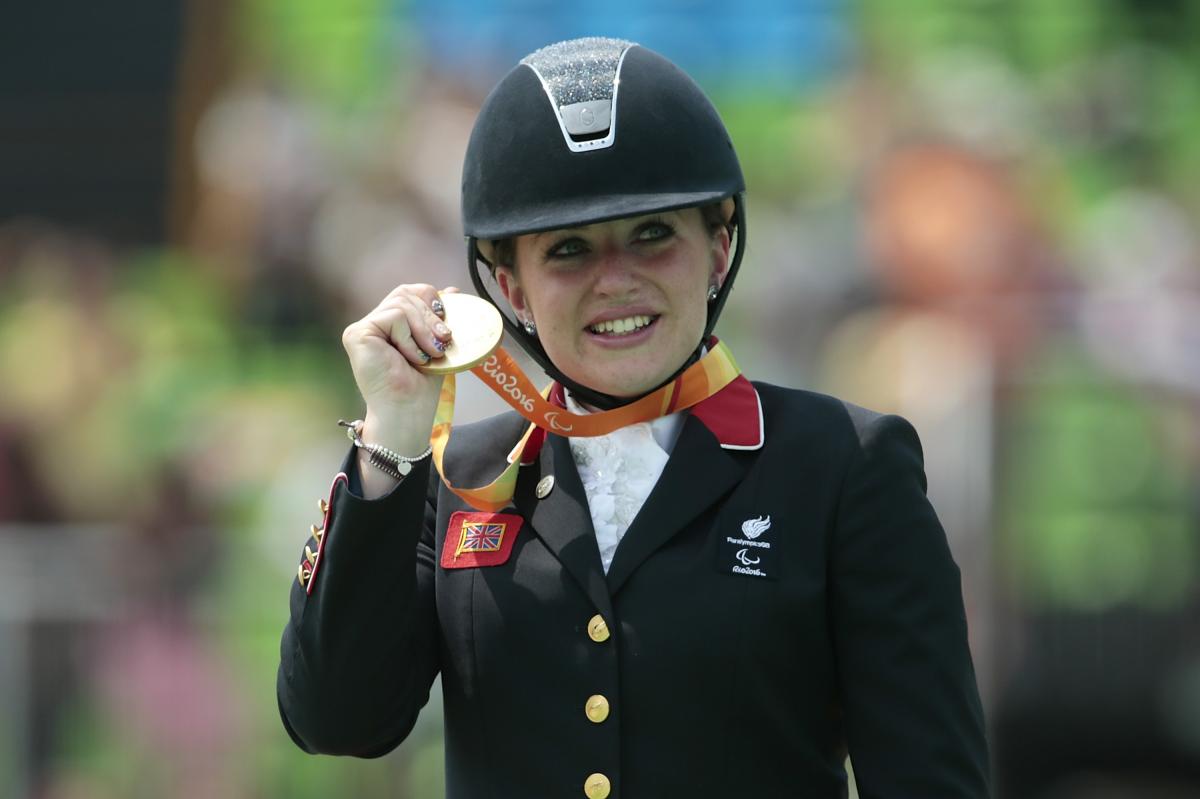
(477, 327)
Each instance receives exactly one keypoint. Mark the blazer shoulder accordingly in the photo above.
(789, 412)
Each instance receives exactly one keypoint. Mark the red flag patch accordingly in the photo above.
(479, 539)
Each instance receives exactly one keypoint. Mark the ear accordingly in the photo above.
(720, 257)
(510, 287)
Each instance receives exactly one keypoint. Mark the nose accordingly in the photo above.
(615, 273)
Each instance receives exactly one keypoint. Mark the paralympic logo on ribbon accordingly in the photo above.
(552, 419)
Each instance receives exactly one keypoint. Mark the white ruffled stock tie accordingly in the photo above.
(618, 471)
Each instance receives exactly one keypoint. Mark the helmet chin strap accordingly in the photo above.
(589, 396)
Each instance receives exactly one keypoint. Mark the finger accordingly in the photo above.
(424, 321)
(428, 295)
(394, 325)
(429, 331)
(426, 292)
(380, 335)
(438, 307)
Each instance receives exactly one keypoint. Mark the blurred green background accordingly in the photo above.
(979, 214)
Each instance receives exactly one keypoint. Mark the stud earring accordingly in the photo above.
(712, 292)
(530, 327)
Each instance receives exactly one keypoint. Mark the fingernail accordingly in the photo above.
(438, 308)
(441, 346)
(425, 356)
(441, 329)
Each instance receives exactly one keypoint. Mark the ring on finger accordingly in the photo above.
(438, 308)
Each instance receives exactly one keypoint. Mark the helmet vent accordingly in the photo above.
(580, 78)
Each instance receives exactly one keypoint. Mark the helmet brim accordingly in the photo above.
(586, 211)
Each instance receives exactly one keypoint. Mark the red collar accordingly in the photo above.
(734, 415)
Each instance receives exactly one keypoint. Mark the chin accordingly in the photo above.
(626, 375)
(625, 385)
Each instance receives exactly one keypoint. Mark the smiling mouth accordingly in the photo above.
(622, 327)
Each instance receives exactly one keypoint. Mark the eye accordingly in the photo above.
(567, 248)
(654, 230)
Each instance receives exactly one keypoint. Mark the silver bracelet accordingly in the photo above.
(391, 463)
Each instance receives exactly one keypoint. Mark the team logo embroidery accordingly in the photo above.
(747, 559)
(753, 528)
(751, 555)
(479, 539)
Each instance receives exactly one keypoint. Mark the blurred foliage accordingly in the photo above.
(1098, 512)
(336, 52)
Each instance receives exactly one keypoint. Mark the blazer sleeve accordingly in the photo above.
(360, 649)
(914, 721)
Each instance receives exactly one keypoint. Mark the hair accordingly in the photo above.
(504, 251)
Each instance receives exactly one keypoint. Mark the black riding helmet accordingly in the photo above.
(585, 131)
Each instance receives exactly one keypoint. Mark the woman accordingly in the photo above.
(716, 602)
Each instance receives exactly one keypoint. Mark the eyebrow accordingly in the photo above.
(562, 231)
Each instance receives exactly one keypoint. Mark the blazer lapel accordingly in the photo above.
(697, 476)
(562, 520)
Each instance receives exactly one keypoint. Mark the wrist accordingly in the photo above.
(396, 432)
(383, 458)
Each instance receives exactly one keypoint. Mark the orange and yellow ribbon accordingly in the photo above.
(501, 373)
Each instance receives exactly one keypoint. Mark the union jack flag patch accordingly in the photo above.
(479, 539)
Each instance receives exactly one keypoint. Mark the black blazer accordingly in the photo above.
(766, 610)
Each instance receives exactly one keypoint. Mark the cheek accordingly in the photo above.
(696, 318)
(692, 292)
(552, 311)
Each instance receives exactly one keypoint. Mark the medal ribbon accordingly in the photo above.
(502, 375)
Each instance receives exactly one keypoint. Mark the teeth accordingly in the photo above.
(621, 326)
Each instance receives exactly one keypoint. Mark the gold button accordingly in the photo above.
(596, 708)
(303, 574)
(598, 629)
(545, 486)
(597, 786)
(317, 532)
(310, 556)
(323, 505)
